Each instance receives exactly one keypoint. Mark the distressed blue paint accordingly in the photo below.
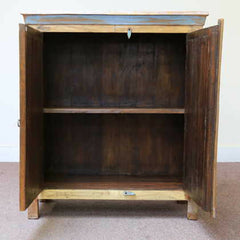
(115, 19)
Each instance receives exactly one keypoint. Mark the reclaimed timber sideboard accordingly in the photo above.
(119, 107)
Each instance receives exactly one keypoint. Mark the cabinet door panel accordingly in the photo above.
(201, 119)
(31, 119)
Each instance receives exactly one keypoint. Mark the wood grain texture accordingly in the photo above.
(202, 90)
(31, 103)
(114, 28)
(107, 19)
(33, 210)
(116, 110)
(22, 170)
(108, 70)
(191, 13)
(83, 194)
(62, 181)
(192, 210)
(112, 144)
(214, 200)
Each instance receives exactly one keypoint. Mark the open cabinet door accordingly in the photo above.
(201, 119)
(31, 118)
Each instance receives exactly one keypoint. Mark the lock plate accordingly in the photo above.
(129, 33)
(128, 193)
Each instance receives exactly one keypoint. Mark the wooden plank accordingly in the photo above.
(114, 144)
(221, 26)
(62, 181)
(112, 194)
(31, 102)
(107, 19)
(116, 110)
(22, 60)
(33, 210)
(197, 13)
(110, 70)
(114, 28)
(192, 210)
(202, 93)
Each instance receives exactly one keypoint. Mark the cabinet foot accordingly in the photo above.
(33, 210)
(192, 210)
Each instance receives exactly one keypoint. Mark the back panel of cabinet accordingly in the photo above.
(113, 144)
(110, 70)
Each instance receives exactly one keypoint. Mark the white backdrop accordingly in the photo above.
(229, 131)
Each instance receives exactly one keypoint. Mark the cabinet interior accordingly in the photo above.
(105, 149)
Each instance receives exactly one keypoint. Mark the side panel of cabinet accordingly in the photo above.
(201, 119)
(31, 118)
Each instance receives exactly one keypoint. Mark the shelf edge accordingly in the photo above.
(112, 194)
(116, 110)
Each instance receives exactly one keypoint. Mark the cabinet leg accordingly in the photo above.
(33, 210)
(192, 210)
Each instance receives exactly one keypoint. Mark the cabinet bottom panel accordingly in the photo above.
(112, 182)
(124, 194)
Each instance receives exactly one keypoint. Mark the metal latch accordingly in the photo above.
(129, 33)
(128, 193)
(18, 123)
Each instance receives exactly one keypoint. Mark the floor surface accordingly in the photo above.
(80, 220)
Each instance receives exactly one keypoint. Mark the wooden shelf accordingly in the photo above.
(112, 182)
(106, 194)
(116, 110)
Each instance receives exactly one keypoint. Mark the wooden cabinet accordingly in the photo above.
(119, 107)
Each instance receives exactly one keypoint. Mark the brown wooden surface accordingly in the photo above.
(115, 110)
(111, 182)
(31, 103)
(33, 210)
(221, 26)
(192, 210)
(22, 170)
(108, 70)
(143, 145)
(106, 194)
(114, 28)
(202, 90)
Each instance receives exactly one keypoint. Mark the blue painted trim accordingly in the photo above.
(115, 19)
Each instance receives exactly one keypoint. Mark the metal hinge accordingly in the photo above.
(18, 123)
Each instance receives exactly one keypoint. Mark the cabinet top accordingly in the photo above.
(139, 18)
